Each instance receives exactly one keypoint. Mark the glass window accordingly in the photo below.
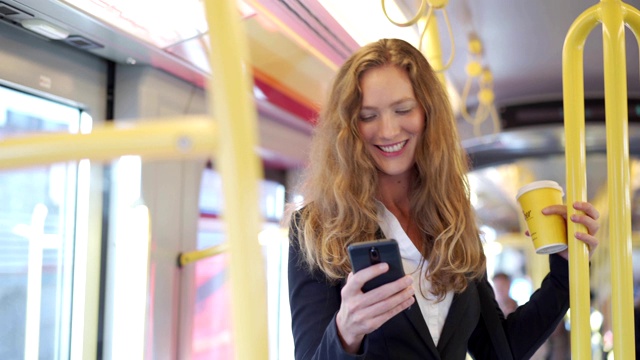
(212, 336)
(37, 226)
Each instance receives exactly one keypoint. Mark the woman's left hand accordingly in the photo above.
(588, 219)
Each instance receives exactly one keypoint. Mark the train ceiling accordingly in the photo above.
(296, 46)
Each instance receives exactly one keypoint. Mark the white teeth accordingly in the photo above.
(393, 148)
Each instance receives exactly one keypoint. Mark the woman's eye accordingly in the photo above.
(403, 111)
(366, 117)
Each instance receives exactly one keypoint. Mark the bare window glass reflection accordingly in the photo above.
(37, 211)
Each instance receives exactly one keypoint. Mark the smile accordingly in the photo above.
(392, 148)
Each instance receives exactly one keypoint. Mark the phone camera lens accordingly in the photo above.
(375, 255)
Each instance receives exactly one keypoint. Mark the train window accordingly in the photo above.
(507, 249)
(211, 332)
(271, 201)
(127, 263)
(39, 230)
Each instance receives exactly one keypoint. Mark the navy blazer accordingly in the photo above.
(474, 324)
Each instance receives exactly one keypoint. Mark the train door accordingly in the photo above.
(42, 222)
(211, 332)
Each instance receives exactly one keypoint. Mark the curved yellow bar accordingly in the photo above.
(632, 19)
(166, 139)
(239, 166)
(573, 97)
(416, 17)
(193, 256)
(427, 23)
(615, 90)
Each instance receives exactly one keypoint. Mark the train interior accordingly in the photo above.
(89, 249)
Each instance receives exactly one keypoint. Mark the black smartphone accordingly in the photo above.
(369, 253)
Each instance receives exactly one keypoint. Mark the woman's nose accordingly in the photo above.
(389, 127)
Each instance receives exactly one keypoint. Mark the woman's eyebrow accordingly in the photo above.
(397, 102)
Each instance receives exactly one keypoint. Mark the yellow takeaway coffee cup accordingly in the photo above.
(548, 232)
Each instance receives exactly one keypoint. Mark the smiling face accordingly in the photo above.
(391, 119)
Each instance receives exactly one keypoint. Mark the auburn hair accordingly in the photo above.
(339, 185)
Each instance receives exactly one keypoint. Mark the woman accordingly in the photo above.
(387, 163)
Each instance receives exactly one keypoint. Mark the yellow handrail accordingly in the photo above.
(425, 23)
(475, 71)
(193, 256)
(240, 171)
(418, 15)
(178, 138)
(428, 23)
(239, 165)
(612, 14)
(573, 94)
(433, 48)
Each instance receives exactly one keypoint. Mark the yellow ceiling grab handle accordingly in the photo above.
(427, 24)
(418, 15)
(430, 25)
(486, 107)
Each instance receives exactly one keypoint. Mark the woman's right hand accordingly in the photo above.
(361, 313)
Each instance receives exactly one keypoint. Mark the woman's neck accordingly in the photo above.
(394, 193)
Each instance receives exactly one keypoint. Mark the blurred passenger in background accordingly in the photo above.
(502, 285)
(636, 314)
(387, 163)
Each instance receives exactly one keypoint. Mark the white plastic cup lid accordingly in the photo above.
(539, 184)
(551, 249)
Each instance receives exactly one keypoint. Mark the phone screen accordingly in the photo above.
(369, 253)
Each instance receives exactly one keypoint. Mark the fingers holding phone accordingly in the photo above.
(375, 291)
(356, 283)
(361, 313)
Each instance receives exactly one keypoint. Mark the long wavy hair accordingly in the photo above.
(340, 183)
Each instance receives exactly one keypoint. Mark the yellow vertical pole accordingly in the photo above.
(433, 49)
(573, 97)
(240, 171)
(612, 14)
(615, 90)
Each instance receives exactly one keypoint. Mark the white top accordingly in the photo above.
(434, 313)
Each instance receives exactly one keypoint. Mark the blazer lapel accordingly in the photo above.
(414, 315)
(462, 317)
